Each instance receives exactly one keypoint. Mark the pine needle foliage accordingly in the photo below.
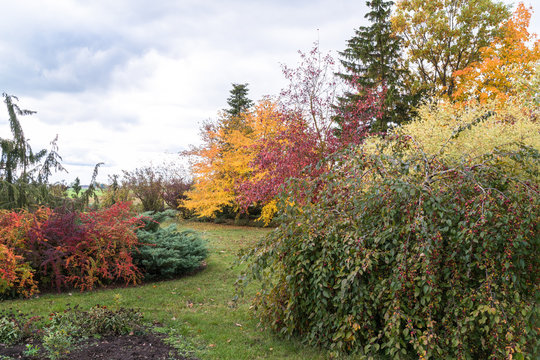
(168, 253)
(372, 61)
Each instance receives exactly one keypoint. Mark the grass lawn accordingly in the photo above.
(196, 310)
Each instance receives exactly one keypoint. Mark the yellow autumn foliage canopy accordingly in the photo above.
(465, 134)
(437, 127)
(223, 161)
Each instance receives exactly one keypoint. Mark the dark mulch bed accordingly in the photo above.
(126, 347)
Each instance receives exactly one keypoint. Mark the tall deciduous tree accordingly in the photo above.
(247, 165)
(301, 146)
(509, 58)
(312, 92)
(444, 36)
(372, 60)
(216, 164)
(217, 169)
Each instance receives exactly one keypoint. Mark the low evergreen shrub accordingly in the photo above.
(152, 219)
(166, 252)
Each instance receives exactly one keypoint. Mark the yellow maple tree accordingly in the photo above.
(510, 57)
(224, 160)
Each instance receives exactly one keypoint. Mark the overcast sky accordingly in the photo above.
(125, 82)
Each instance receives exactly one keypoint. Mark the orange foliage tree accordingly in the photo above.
(509, 58)
(224, 160)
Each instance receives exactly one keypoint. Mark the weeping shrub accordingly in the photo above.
(400, 254)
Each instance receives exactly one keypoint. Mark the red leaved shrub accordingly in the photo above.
(16, 277)
(62, 249)
(107, 255)
(16, 274)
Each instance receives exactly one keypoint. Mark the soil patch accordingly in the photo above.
(125, 347)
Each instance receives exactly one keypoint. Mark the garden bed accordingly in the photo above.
(122, 347)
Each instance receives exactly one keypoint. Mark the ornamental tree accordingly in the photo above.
(245, 160)
(508, 58)
(224, 160)
(308, 136)
(444, 36)
(24, 173)
(312, 92)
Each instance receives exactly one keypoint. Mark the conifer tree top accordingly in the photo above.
(238, 101)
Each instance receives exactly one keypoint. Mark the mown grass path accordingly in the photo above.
(197, 310)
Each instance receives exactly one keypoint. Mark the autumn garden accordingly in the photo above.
(384, 205)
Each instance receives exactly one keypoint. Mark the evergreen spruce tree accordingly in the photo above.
(239, 103)
(371, 60)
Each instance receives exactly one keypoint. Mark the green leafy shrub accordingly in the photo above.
(100, 320)
(9, 332)
(59, 339)
(31, 350)
(17, 326)
(168, 253)
(399, 254)
(67, 328)
(62, 331)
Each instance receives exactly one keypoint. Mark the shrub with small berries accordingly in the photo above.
(400, 254)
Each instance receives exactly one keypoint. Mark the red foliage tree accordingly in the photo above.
(309, 111)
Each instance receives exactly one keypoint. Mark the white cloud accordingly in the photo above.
(126, 81)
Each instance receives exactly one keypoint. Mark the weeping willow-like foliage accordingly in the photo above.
(24, 174)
